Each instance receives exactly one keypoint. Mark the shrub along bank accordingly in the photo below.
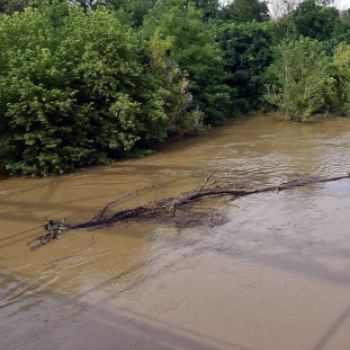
(83, 85)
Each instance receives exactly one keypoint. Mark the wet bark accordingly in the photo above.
(181, 209)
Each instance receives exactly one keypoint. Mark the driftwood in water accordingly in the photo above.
(180, 209)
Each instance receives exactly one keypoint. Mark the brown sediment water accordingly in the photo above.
(276, 276)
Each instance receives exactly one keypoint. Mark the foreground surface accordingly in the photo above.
(275, 276)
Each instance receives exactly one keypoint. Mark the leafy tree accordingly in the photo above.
(284, 28)
(130, 13)
(73, 95)
(174, 86)
(341, 72)
(315, 20)
(304, 81)
(247, 54)
(194, 48)
(10, 6)
(242, 11)
(345, 15)
(341, 33)
(210, 9)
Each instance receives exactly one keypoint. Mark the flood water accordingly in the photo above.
(275, 276)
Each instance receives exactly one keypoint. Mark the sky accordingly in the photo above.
(277, 9)
(342, 4)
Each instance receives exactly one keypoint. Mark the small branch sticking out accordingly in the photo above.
(173, 209)
(100, 214)
(206, 181)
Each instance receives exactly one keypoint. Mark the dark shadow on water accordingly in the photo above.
(338, 323)
(156, 338)
(125, 331)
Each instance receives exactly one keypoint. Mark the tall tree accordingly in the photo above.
(316, 19)
(242, 11)
(10, 6)
(194, 48)
(210, 8)
(73, 94)
(247, 55)
(304, 80)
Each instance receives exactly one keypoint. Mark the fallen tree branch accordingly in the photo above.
(206, 181)
(166, 210)
(103, 210)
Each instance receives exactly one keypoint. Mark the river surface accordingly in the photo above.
(275, 276)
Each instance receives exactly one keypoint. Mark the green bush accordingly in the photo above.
(304, 81)
(74, 94)
(193, 47)
(316, 20)
(341, 71)
(247, 55)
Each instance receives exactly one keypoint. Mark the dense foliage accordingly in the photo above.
(304, 81)
(243, 11)
(247, 55)
(315, 21)
(84, 82)
(73, 95)
(194, 49)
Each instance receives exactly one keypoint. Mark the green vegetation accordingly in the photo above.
(247, 50)
(86, 82)
(304, 81)
(74, 94)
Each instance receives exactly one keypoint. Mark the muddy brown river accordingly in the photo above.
(275, 276)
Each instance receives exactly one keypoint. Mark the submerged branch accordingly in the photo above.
(166, 210)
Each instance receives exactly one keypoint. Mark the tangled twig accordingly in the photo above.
(166, 210)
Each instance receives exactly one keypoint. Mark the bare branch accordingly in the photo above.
(166, 210)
